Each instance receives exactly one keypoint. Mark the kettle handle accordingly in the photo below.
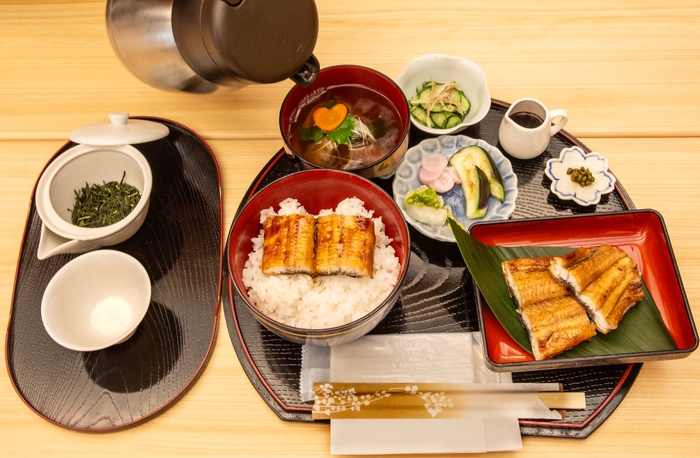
(307, 74)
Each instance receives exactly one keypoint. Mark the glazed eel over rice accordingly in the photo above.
(320, 271)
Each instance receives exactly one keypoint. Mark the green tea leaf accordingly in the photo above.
(641, 330)
(101, 205)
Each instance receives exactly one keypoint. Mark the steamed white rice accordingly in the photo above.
(310, 302)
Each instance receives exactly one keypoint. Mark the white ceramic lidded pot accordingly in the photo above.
(103, 153)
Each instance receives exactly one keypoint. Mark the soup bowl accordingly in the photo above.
(316, 190)
(373, 146)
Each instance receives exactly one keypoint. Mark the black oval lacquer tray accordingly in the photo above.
(274, 365)
(180, 245)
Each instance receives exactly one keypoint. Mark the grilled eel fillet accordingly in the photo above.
(554, 320)
(612, 294)
(583, 265)
(345, 245)
(556, 325)
(530, 281)
(288, 244)
(604, 279)
(330, 245)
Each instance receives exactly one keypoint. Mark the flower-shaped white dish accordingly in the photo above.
(470, 79)
(406, 180)
(96, 300)
(566, 189)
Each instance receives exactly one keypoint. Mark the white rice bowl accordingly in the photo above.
(307, 302)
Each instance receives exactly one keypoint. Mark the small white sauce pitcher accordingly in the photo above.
(529, 142)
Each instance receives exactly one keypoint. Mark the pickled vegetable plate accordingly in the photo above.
(406, 180)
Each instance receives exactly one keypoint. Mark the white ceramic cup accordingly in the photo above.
(527, 127)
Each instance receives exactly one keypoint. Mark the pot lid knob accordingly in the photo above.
(120, 130)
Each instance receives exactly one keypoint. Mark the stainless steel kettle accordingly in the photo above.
(199, 45)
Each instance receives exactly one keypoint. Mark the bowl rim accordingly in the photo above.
(335, 330)
(406, 124)
(76, 263)
(51, 219)
(483, 111)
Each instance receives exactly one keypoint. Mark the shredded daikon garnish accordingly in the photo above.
(442, 94)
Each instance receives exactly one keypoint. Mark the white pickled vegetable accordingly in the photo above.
(425, 206)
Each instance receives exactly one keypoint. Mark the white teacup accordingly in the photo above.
(527, 127)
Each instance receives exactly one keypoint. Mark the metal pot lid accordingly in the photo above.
(259, 41)
(119, 131)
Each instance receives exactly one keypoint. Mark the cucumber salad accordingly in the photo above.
(439, 105)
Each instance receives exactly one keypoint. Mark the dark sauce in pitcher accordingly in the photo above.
(527, 120)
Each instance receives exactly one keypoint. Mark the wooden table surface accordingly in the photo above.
(627, 72)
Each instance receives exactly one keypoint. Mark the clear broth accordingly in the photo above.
(366, 105)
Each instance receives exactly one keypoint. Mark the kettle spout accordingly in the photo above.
(307, 74)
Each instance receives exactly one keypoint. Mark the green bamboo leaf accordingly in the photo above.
(641, 331)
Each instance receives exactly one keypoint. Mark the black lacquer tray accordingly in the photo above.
(273, 364)
(180, 245)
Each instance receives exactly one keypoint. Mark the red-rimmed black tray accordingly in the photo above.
(274, 365)
(180, 245)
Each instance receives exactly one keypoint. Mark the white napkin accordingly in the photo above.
(434, 358)
(454, 435)
(422, 358)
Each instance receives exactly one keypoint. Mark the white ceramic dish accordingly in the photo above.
(96, 300)
(564, 188)
(101, 158)
(469, 77)
(407, 180)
